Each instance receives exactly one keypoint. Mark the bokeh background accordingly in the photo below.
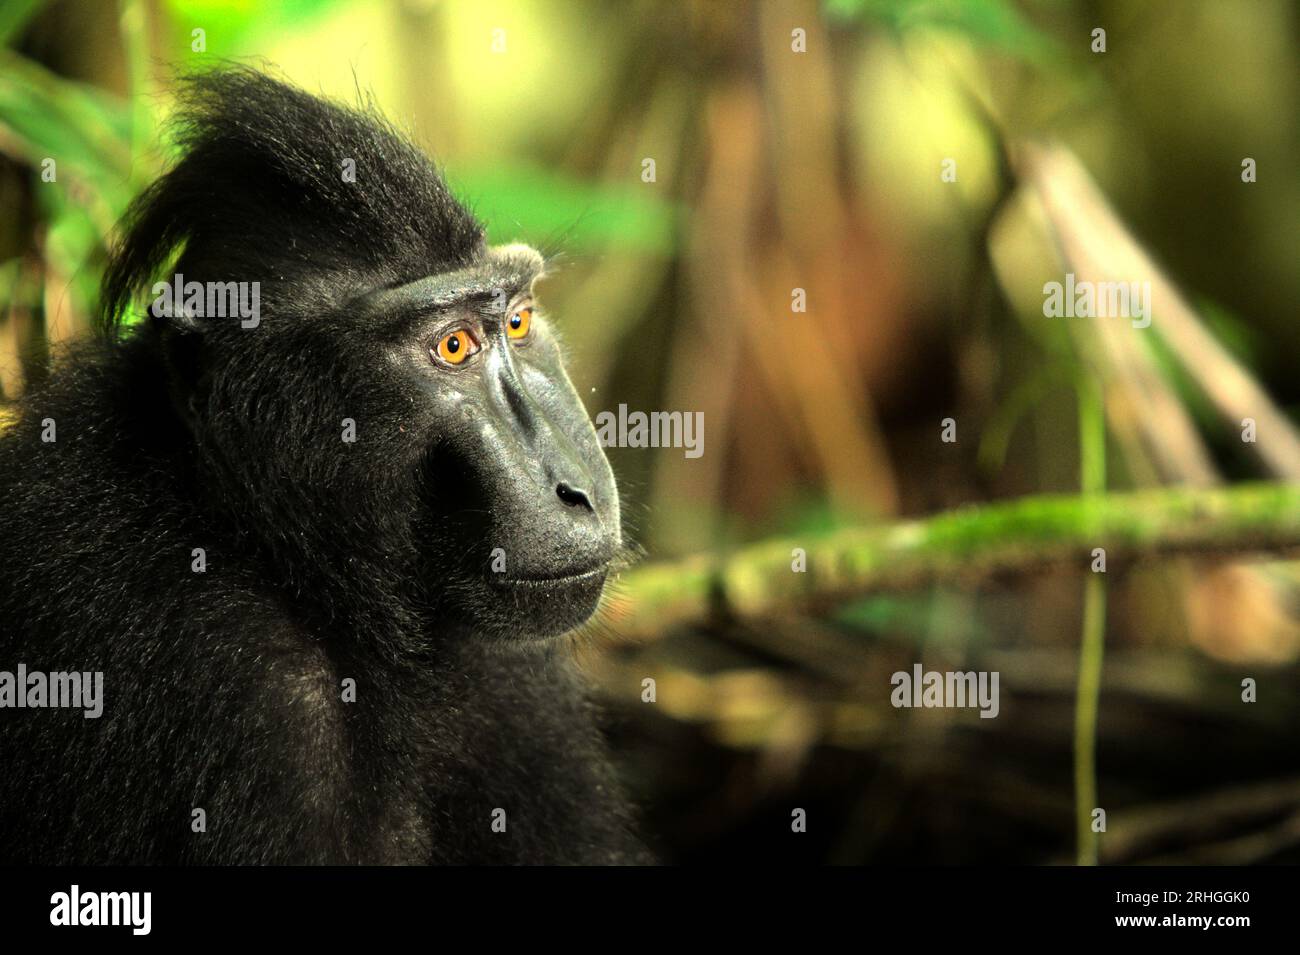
(820, 170)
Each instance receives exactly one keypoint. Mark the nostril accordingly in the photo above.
(572, 496)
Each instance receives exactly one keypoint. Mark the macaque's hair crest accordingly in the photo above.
(306, 196)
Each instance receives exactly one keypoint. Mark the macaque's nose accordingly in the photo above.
(573, 496)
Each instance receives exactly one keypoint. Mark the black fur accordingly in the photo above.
(325, 560)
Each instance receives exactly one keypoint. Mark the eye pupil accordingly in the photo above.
(516, 321)
(453, 344)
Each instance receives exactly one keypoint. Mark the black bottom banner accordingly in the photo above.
(332, 904)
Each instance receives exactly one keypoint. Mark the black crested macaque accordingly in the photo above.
(323, 549)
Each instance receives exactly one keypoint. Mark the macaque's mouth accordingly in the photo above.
(577, 578)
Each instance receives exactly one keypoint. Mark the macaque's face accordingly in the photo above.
(523, 503)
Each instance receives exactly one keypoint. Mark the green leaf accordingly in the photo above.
(530, 205)
(14, 15)
(994, 23)
(72, 242)
(233, 27)
(76, 125)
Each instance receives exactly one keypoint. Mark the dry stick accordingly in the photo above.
(969, 544)
(714, 280)
(1140, 828)
(826, 391)
(1086, 236)
(1249, 849)
(1108, 248)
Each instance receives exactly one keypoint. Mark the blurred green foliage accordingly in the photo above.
(998, 24)
(105, 144)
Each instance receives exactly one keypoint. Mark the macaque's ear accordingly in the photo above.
(184, 358)
(172, 317)
(182, 345)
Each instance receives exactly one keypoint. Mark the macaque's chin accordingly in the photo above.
(539, 608)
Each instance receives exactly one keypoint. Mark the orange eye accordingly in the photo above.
(456, 347)
(519, 322)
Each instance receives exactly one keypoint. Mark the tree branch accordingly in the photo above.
(962, 546)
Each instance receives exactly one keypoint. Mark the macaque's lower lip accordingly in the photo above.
(559, 580)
